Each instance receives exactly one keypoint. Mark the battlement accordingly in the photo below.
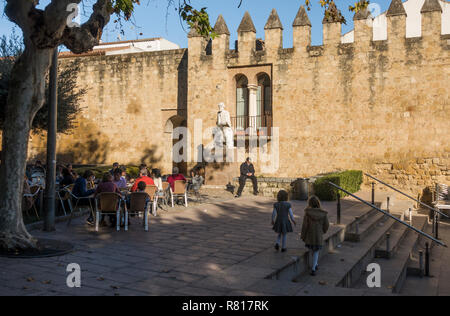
(365, 35)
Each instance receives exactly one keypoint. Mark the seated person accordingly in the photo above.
(141, 187)
(38, 167)
(115, 166)
(107, 185)
(143, 176)
(72, 172)
(176, 175)
(80, 191)
(59, 175)
(38, 174)
(80, 188)
(67, 178)
(247, 172)
(156, 176)
(119, 180)
(197, 182)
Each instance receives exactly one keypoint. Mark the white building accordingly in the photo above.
(413, 21)
(136, 46)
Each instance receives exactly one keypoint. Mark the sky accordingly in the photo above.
(153, 18)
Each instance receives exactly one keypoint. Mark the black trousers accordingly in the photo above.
(243, 179)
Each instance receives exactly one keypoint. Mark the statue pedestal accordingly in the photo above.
(222, 173)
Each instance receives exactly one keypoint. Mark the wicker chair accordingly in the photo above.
(68, 190)
(108, 203)
(138, 204)
(179, 191)
(151, 191)
(34, 192)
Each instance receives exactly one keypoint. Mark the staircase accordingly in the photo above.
(371, 238)
(365, 236)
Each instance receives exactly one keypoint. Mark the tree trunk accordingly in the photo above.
(25, 97)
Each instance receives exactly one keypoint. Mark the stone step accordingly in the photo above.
(363, 211)
(394, 270)
(416, 283)
(300, 260)
(380, 196)
(344, 265)
(414, 262)
(364, 227)
(396, 235)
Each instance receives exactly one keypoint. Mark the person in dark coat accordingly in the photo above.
(247, 172)
(281, 219)
(67, 178)
(80, 190)
(315, 225)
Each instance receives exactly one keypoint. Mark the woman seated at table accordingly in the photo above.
(119, 180)
(80, 191)
(107, 185)
(156, 176)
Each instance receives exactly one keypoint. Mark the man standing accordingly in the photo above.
(247, 172)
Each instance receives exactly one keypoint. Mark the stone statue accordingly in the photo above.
(223, 132)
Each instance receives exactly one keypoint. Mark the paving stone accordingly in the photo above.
(226, 251)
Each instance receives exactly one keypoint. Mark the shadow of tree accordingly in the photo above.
(212, 249)
(150, 156)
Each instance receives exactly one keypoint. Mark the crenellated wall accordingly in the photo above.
(380, 106)
(357, 105)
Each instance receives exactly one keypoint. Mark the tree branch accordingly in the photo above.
(84, 38)
(19, 12)
(55, 19)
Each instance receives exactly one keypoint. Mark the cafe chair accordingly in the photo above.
(139, 204)
(34, 192)
(151, 191)
(68, 190)
(179, 191)
(108, 203)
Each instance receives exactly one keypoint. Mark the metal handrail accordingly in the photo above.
(421, 203)
(390, 215)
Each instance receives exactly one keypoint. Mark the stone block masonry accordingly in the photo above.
(378, 106)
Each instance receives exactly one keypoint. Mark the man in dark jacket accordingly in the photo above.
(247, 172)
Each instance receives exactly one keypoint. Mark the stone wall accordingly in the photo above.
(126, 112)
(378, 106)
(416, 174)
(270, 187)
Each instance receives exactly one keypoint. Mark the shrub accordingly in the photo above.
(99, 171)
(133, 171)
(349, 180)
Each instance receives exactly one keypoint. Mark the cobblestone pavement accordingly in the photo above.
(220, 248)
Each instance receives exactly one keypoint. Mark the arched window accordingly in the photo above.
(263, 99)
(241, 102)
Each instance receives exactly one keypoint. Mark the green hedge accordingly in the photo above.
(349, 180)
(99, 171)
